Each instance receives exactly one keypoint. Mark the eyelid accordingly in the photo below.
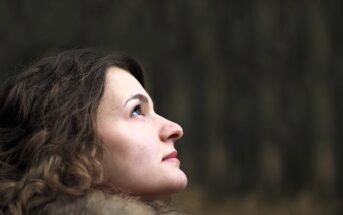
(140, 107)
(146, 104)
(142, 98)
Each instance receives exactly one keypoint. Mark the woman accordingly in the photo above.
(81, 122)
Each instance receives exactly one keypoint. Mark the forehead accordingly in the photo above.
(120, 84)
(118, 75)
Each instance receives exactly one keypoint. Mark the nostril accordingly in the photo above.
(175, 136)
(171, 132)
(176, 133)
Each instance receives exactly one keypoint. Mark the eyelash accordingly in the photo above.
(138, 108)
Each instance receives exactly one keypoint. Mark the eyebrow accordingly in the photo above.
(142, 98)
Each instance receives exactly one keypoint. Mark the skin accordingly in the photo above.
(137, 141)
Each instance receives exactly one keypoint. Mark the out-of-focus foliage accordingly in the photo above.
(257, 86)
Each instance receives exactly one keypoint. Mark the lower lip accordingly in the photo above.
(172, 160)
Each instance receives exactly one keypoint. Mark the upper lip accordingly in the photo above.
(173, 154)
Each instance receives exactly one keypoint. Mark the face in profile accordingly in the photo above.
(139, 153)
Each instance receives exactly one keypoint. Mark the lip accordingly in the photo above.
(170, 156)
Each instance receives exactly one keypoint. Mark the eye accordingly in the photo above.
(137, 110)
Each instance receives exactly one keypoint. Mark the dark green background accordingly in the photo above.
(257, 86)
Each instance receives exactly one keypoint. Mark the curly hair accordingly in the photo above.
(48, 137)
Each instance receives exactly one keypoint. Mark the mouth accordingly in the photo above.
(171, 156)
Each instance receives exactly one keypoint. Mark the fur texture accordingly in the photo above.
(95, 203)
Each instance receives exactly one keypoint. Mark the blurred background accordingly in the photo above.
(257, 86)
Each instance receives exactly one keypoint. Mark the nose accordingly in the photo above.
(170, 131)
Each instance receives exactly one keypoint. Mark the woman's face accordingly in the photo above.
(140, 157)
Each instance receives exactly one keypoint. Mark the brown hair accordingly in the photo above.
(48, 139)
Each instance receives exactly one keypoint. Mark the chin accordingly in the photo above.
(180, 183)
(176, 185)
(165, 190)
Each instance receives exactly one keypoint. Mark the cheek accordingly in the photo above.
(129, 148)
(114, 145)
(140, 149)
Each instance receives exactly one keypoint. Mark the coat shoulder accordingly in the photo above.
(95, 203)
